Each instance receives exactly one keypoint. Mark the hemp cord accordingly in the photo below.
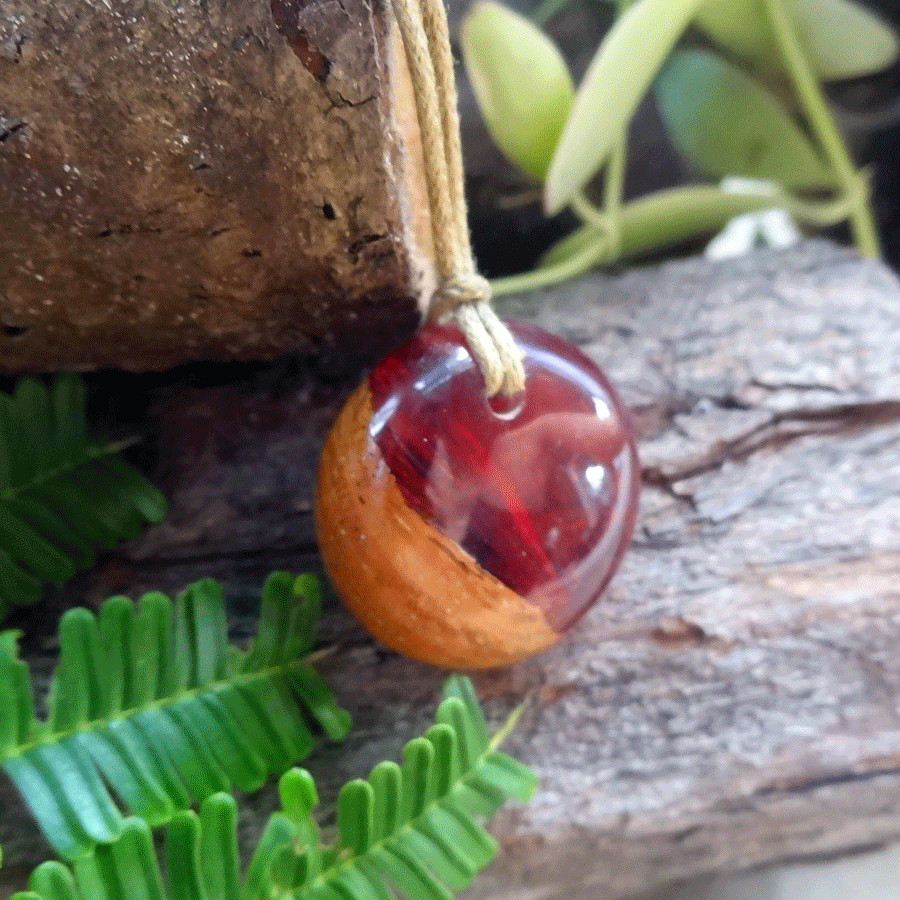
(463, 296)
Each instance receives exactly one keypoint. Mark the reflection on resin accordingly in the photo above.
(545, 499)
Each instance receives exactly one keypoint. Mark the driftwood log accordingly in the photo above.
(204, 180)
(734, 699)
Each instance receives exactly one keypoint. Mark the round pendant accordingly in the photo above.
(468, 534)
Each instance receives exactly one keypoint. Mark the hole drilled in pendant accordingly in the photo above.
(507, 408)
(545, 499)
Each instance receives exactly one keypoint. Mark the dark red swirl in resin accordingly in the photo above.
(544, 499)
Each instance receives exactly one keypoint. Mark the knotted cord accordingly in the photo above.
(462, 296)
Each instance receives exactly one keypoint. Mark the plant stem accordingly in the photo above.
(608, 218)
(659, 219)
(588, 213)
(853, 184)
(712, 202)
(612, 192)
(592, 254)
(511, 721)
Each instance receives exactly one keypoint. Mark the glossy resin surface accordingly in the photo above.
(542, 493)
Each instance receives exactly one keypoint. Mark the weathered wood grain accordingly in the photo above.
(734, 700)
(177, 184)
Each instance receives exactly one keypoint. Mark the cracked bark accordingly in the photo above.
(777, 432)
(164, 201)
(733, 700)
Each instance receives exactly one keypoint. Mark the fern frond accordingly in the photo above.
(413, 830)
(152, 700)
(63, 496)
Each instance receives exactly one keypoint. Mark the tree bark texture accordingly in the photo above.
(733, 700)
(207, 179)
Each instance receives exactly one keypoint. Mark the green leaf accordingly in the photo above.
(521, 82)
(152, 703)
(355, 810)
(53, 880)
(280, 833)
(842, 38)
(219, 857)
(728, 124)
(575, 244)
(63, 497)
(417, 835)
(17, 711)
(128, 868)
(416, 826)
(660, 219)
(617, 79)
(183, 858)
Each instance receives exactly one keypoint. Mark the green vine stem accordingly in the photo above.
(607, 219)
(613, 190)
(660, 219)
(593, 253)
(853, 184)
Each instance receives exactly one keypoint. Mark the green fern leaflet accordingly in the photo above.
(152, 700)
(63, 496)
(411, 829)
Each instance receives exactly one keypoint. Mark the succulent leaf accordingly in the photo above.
(521, 82)
(726, 123)
(843, 38)
(617, 78)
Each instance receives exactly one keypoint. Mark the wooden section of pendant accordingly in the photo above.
(411, 587)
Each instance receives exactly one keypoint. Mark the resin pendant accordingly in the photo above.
(465, 534)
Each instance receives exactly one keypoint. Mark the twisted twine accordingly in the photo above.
(463, 296)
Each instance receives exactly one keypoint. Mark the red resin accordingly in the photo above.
(545, 497)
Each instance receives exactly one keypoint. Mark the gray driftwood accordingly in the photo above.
(177, 184)
(734, 700)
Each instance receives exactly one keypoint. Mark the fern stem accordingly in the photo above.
(45, 736)
(328, 874)
(92, 454)
(509, 725)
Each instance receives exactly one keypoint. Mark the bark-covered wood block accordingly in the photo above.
(204, 179)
